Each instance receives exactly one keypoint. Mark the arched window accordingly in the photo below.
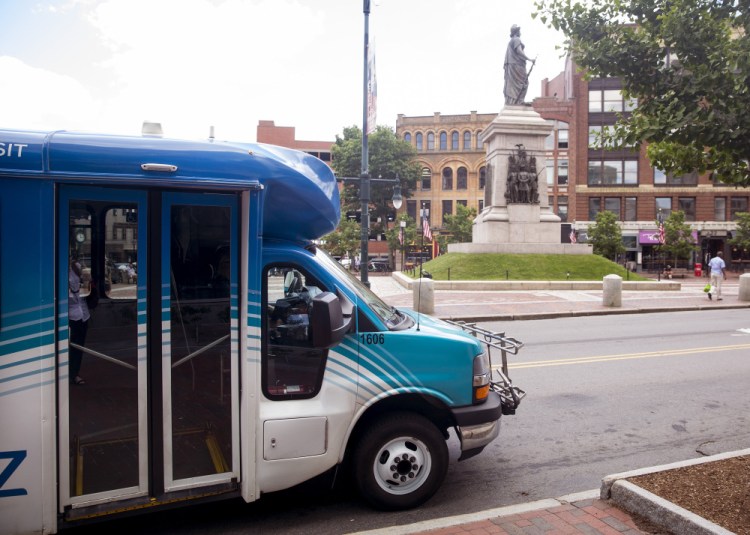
(482, 176)
(480, 146)
(467, 140)
(454, 141)
(461, 179)
(430, 140)
(419, 141)
(426, 178)
(447, 178)
(407, 137)
(443, 141)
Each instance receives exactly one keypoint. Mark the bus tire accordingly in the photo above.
(400, 461)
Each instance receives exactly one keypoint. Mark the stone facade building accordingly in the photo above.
(452, 160)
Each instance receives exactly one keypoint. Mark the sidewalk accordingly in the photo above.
(585, 512)
(582, 513)
(521, 303)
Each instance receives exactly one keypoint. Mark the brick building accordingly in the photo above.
(285, 136)
(624, 182)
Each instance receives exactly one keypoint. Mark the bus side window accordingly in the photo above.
(292, 368)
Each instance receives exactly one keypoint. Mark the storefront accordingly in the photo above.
(655, 260)
(651, 258)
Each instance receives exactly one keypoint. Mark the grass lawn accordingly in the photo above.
(487, 266)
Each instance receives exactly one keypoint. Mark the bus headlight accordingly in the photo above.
(481, 381)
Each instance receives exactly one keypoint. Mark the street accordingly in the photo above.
(605, 394)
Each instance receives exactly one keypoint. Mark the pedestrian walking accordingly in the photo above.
(718, 274)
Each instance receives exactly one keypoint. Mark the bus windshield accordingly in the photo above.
(394, 319)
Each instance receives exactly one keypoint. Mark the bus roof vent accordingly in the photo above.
(151, 129)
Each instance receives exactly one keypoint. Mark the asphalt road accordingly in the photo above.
(605, 394)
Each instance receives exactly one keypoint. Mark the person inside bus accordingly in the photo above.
(78, 321)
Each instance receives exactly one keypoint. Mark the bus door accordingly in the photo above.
(199, 360)
(147, 373)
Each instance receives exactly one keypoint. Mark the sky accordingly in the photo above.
(109, 65)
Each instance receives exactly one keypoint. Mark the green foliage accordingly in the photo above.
(678, 238)
(442, 241)
(741, 238)
(459, 225)
(345, 239)
(388, 157)
(410, 233)
(605, 235)
(688, 64)
(488, 266)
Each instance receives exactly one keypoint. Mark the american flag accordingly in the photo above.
(573, 236)
(426, 229)
(661, 234)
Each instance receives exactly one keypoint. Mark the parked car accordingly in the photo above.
(380, 266)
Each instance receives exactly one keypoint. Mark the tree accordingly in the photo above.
(459, 226)
(410, 234)
(388, 157)
(741, 239)
(605, 236)
(688, 64)
(345, 239)
(678, 238)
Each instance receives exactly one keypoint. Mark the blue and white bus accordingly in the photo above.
(170, 333)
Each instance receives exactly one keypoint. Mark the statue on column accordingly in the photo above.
(522, 185)
(516, 77)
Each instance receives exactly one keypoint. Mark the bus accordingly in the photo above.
(170, 333)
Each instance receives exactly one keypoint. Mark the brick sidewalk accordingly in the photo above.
(587, 516)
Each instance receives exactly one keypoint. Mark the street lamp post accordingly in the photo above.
(364, 183)
(364, 177)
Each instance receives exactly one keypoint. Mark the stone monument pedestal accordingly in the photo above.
(523, 225)
(517, 221)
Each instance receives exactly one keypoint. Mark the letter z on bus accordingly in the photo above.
(16, 458)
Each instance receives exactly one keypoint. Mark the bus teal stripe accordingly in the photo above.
(26, 361)
(27, 374)
(28, 387)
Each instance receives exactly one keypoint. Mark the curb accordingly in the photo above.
(449, 521)
(661, 512)
(579, 313)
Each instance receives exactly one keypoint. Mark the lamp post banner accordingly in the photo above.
(372, 91)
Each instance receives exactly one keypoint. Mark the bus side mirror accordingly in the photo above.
(330, 319)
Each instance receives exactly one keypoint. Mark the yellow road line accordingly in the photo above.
(625, 356)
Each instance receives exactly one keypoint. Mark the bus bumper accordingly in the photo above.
(478, 425)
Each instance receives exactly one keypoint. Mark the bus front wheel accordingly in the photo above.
(400, 462)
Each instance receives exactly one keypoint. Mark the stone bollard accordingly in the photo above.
(744, 294)
(612, 294)
(423, 291)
